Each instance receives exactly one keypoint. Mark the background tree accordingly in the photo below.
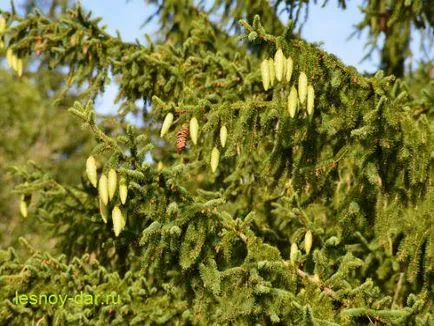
(36, 127)
(316, 216)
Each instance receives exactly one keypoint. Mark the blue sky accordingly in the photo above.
(330, 25)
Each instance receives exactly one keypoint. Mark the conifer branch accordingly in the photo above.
(314, 279)
(397, 289)
(346, 177)
(263, 36)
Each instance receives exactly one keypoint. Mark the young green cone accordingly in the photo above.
(223, 136)
(14, 62)
(310, 99)
(103, 189)
(289, 67)
(112, 183)
(279, 64)
(168, 120)
(215, 157)
(9, 57)
(160, 166)
(2, 25)
(118, 220)
(91, 170)
(194, 130)
(19, 67)
(293, 254)
(271, 71)
(308, 242)
(23, 206)
(302, 87)
(124, 220)
(103, 210)
(265, 74)
(123, 190)
(292, 102)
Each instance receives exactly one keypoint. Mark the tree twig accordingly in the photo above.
(397, 289)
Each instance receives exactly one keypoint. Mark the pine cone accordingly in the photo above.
(181, 138)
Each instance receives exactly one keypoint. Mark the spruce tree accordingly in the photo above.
(35, 127)
(269, 184)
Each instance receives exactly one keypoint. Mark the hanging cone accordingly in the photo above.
(271, 71)
(2, 25)
(289, 67)
(160, 166)
(103, 189)
(292, 102)
(118, 220)
(123, 190)
(23, 206)
(279, 64)
(9, 57)
(223, 136)
(308, 242)
(215, 157)
(310, 99)
(19, 66)
(91, 170)
(293, 255)
(302, 87)
(194, 130)
(112, 183)
(168, 120)
(181, 138)
(103, 210)
(265, 74)
(14, 62)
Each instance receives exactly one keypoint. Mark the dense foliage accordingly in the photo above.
(226, 206)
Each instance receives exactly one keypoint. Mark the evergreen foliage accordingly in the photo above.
(313, 218)
(28, 104)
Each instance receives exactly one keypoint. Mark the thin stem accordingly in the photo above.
(398, 288)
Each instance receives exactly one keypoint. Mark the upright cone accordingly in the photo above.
(215, 157)
(91, 170)
(265, 74)
(279, 64)
(292, 102)
(103, 189)
(194, 130)
(223, 136)
(302, 87)
(112, 183)
(168, 120)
